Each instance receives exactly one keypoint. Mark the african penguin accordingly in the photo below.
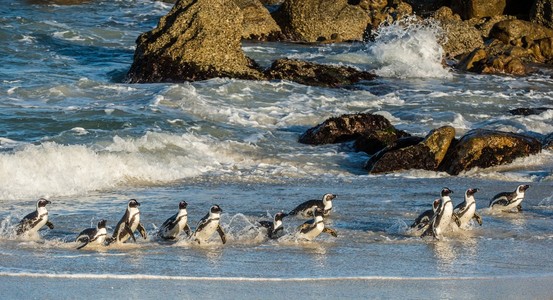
(306, 208)
(466, 210)
(208, 225)
(93, 236)
(34, 221)
(274, 229)
(172, 227)
(423, 220)
(443, 213)
(507, 201)
(314, 227)
(128, 224)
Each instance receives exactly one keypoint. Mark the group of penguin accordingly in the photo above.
(432, 222)
(172, 228)
(435, 221)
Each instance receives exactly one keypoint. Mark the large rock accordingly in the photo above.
(469, 9)
(377, 140)
(196, 40)
(486, 148)
(258, 23)
(461, 37)
(315, 74)
(425, 155)
(542, 12)
(512, 31)
(322, 20)
(345, 128)
(426, 7)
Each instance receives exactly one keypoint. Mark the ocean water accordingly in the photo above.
(73, 131)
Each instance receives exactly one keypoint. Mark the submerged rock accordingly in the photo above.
(196, 40)
(486, 148)
(345, 128)
(526, 111)
(315, 74)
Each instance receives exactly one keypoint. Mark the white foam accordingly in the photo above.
(409, 49)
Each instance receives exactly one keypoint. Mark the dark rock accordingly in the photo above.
(427, 7)
(469, 9)
(315, 74)
(322, 20)
(426, 155)
(525, 111)
(548, 142)
(542, 12)
(196, 40)
(258, 23)
(519, 9)
(345, 128)
(486, 148)
(378, 140)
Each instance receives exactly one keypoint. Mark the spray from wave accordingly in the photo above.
(409, 48)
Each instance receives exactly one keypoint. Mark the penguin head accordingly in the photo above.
(279, 216)
(183, 205)
(215, 209)
(133, 203)
(522, 188)
(102, 224)
(471, 192)
(328, 197)
(42, 202)
(446, 192)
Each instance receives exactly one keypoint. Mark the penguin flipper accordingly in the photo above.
(129, 231)
(478, 218)
(222, 234)
(142, 230)
(305, 226)
(330, 231)
(455, 218)
(50, 225)
(84, 244)
(186, 230)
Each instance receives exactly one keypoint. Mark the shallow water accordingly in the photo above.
(73, 131)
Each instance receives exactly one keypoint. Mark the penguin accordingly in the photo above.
(507, 201)
(466, 210)
(274, 229)
(422, 222)
(306, 208)
(34, 221)
(96, 236)
(208, 225)
(443, 213)
(128, 224)
(172, 227)
(314, 227)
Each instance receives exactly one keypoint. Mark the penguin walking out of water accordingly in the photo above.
(422, 222)
(93, 236)
(274, 229)
(172, 227)
(34, 221)
(306, 208)
(129, 223)
(314, 227)
(507, 201)
(443, 214)
(466, 210)
(208, 225)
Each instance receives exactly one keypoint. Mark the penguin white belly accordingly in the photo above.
(100, 237)
(444, 220)
(313, 232)
(514, 204)
(177, 229)
(132, 226)
(206, 232)
(467, 216)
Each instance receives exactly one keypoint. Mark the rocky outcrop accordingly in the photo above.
(427, 7)
(542, 13)
(322, 20)
(460, 36)
(512, 32)
(469, 9)
(528, 111)
(257, 22)
(315, 74)
(346, 128)
(426, 155)
(486, 148)
(377, 140)
(196, 40)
